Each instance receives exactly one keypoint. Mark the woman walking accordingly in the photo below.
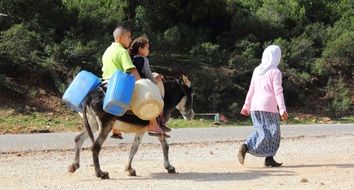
(264, 95)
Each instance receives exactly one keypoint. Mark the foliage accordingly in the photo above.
(285, 15)
(37, 122)
(21, 44)
(37, 14)
(338, 95)
(3, 82)
(209, 53)
(219, 42)
(337, 56)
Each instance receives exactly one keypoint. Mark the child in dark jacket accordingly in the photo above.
(139, 50)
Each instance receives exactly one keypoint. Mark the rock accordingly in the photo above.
(326, 119)
(304, 180)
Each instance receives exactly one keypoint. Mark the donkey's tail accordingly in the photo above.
(86, 123)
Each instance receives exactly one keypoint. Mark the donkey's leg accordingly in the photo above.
(165, 148)
(104, 130)
(133, 150)
(79, 140)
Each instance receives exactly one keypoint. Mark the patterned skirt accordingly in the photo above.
(265, 138)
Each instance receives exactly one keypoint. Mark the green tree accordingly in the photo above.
(49, 14)
(288, 16)
(21, 45)
(338, 97)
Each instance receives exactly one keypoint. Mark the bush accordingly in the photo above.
(180, 39)
(338, 96)
(208, 53)
(287, 16)
(3, 83)
(219, 41)
(21, 45)
(246, 54)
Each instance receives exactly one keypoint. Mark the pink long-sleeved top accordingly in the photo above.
(265, 93)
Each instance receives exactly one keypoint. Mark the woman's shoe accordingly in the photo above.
(242, 153)
(270, 162)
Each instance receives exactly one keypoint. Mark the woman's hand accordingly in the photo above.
(245, 112)
(284, 116)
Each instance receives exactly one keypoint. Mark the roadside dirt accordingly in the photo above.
(309, 163)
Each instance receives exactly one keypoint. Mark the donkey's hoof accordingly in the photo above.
(171, 170)
(73, 167)
(131, 172)
(104, 175)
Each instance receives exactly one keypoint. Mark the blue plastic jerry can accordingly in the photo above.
(119, 93)
(83, 83)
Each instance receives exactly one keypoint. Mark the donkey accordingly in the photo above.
(178, 94)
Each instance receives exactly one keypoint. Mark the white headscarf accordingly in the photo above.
(270, 60)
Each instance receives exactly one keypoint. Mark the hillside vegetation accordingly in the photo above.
(216, 43)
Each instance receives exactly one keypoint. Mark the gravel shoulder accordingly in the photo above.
(322, 162)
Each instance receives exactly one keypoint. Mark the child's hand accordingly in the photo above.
(158, 77)
(284, 116)
(245, 112)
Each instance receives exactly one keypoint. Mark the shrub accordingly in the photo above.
(21, 45)
(338, 96)
(3, 82)
(208, 53)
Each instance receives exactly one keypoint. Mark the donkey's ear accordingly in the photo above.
(186, 80)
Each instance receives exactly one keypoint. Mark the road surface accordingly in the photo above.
(315, 157)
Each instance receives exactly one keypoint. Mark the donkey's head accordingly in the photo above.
(185, 106)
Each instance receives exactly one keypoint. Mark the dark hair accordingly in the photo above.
(118, 31)
(139, 42)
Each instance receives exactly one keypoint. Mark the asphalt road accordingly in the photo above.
(63, 141)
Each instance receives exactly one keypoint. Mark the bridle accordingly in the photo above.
(178, 81)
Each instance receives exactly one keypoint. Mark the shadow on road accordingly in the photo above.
(249, 174)
(220, 176)
(320, 165)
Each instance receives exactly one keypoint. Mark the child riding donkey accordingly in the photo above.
(116, 57)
